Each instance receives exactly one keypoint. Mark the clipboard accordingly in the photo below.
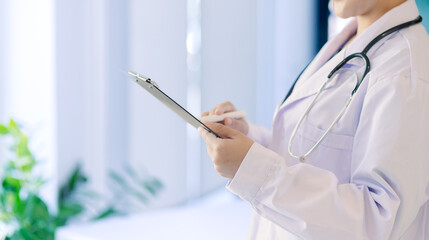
(154, 89)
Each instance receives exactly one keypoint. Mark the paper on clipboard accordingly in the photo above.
(153, 89)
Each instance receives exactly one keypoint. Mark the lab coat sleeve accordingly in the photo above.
(389, 174)
(259, 134)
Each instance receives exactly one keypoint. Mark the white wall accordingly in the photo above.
(294, 42)
(3, 65)
(80, 91)
(265, 84)
(4, 16)
(229, 63)
(27, 79)
(157, 136)
(286, 35)
(252, 52)
(92, 90)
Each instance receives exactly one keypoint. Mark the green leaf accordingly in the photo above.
(22, 146)
(120, 180)
(33, 233)
(35, 209)
(152, 185)
(67, 211)
(16, 236)
(11, 199)
(5, 217)
(3, 130)
(127, 187)
(13, 203)
(25, 163)
(71, 209)
(150, 189)
(13, 125)
(71, 184)
(156, 183)
(11, 184)
(13, 129)
(107, 213)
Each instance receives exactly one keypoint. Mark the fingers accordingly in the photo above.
(226, 153)
(204, 114)
(233, 123)
(206, 135)
(228, 122)
(222, 130)
(222, 108)
(238, 124)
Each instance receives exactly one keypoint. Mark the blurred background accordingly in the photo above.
(63, 79)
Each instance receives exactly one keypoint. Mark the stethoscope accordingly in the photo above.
(360, 55)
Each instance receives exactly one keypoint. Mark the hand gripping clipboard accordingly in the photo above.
(153, 89)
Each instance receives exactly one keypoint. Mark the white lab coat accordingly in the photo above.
(369, 179)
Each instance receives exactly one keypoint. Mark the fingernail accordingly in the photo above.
(228, 121)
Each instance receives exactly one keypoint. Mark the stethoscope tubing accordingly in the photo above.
(304, 156)
(362, 55)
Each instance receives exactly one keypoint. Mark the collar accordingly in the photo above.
(312, 78)
(405, 12)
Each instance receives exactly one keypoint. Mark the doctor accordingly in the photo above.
(334, 169)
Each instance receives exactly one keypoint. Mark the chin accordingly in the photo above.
(352, 8)
(349, 8)
(342, 11)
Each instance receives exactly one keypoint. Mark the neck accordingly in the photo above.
(365, 20)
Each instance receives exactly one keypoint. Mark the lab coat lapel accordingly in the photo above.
(317, 72)
(312, 84)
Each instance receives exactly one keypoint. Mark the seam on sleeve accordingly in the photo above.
(409, 50)
(264, 182)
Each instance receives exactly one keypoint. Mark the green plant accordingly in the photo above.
(68, 205)
(24, 215)
(128, 188)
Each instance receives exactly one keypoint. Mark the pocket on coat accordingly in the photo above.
(333, 154)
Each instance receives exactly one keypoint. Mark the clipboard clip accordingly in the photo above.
(153, 89)
(143, 78)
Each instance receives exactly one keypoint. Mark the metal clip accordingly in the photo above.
(143, 78)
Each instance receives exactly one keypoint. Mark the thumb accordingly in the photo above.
(222, 130)
(233, 123)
